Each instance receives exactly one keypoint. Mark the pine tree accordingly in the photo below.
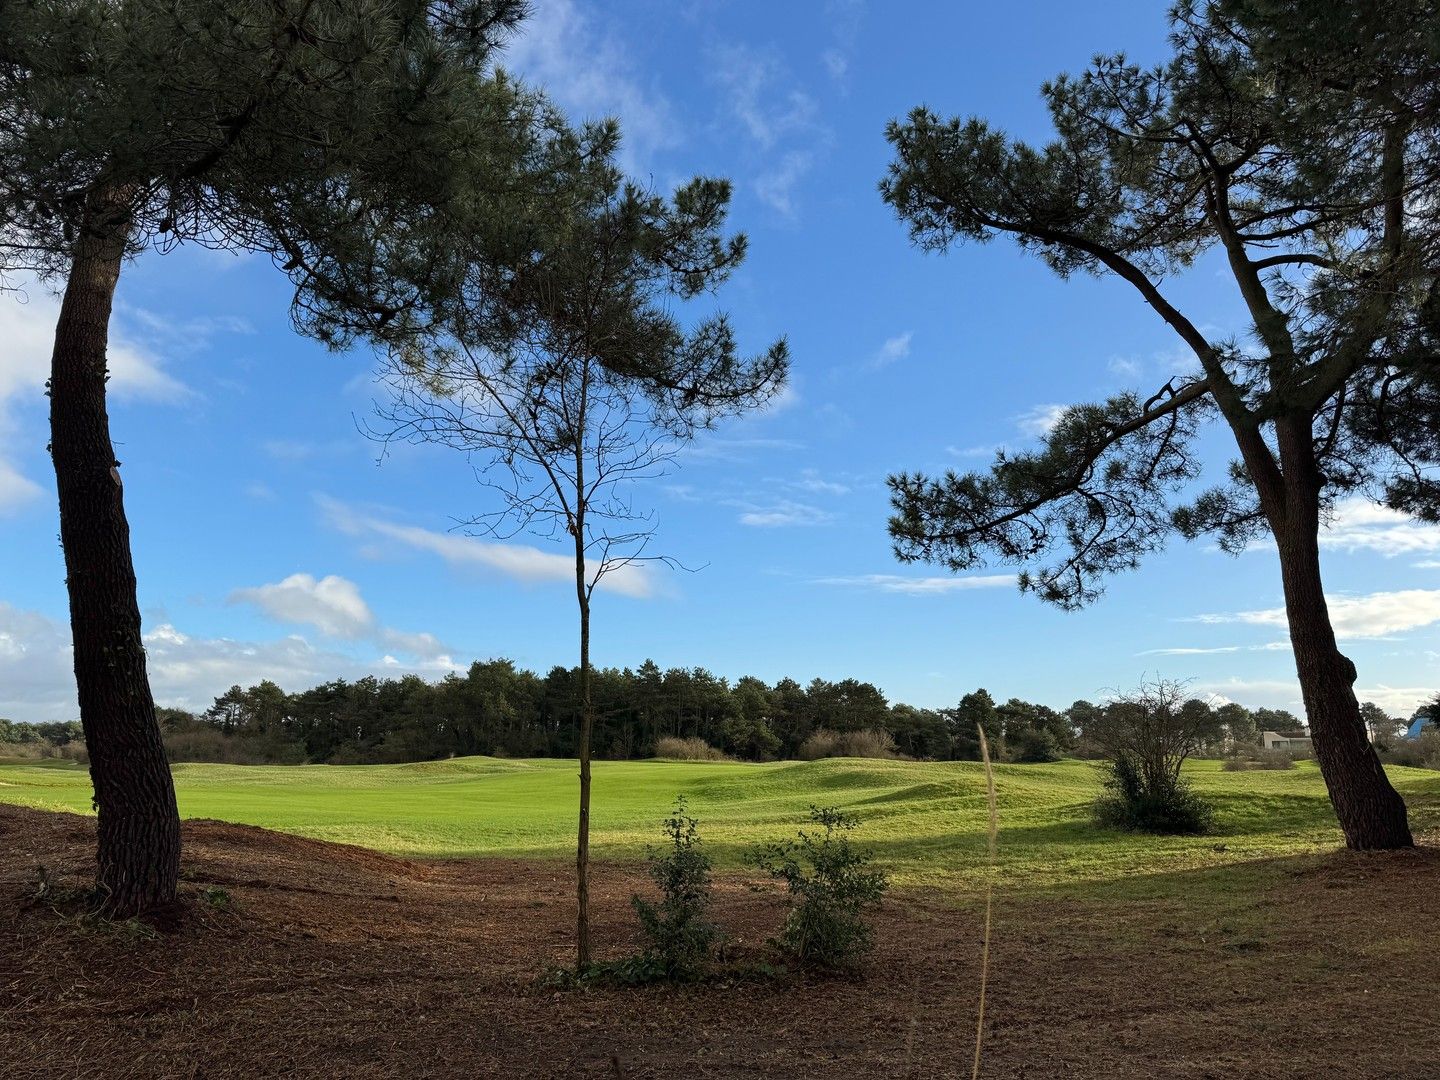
(1298, 138)
(347, 139)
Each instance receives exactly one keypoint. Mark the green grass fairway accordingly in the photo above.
(925, 820)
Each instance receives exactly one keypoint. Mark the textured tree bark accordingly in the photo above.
(1371, 812)
(139, 825)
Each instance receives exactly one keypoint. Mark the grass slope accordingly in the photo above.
(925, 819)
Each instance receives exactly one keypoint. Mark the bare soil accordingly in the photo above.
(334, 961)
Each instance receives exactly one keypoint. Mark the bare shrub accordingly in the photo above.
(75, 751)
(26, 751)
(824, 743)
(874, 743)
(691, 749)
(821, 743)
(1418, 753)
(1248, 758)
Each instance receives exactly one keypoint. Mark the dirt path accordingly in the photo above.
(336, 961)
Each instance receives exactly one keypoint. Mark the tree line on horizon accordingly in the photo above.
(498, 709)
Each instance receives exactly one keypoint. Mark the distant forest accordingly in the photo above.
(498, 709)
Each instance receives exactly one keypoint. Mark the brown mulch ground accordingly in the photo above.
(339, 962)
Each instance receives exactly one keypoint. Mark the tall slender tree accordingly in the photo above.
(591, 392)
(345, 138)
(1299, 139)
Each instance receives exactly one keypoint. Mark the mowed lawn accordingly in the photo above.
(925, 820)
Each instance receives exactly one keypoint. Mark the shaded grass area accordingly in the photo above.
(926, 820)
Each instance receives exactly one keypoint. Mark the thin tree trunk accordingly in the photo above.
(582, 846)
(1371, 812)
(139, 825)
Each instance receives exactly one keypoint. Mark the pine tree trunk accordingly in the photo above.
(582, 847)
(139, 825)
(1371, 812)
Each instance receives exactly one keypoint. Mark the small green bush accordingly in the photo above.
(1169, 808)
(216, 897)
(832, 889)
(678, 932)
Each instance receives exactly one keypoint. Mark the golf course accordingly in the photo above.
(925, 821)
(412, 911)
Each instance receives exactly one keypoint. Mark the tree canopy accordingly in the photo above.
(1298, 142)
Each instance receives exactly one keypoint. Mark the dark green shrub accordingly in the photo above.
(832, 889)
(679, 935)
(1165, 805)
(1034, 746)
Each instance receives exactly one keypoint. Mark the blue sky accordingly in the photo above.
(270, 543)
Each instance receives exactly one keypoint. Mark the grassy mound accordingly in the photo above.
(926, 819)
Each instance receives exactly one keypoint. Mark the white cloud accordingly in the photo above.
(296, 451)
(1040, 420)
(1360, 525)
(811, 480)
(332, 604)
(1269, 646)
(779, 118)
(27, 337)
(27, 332)
(920, 586)
(843, 17)
(189, 334)
(15, 489)
(1399, 700)
(1187, 651)
(1285, 694)
(970, 451)
(519, 561)
(776, 186)
(189, 672)
(895, 348)
(427, 646)
(1375, 615)
(1254, 693)
(780, 513)
(721, 448)
(590, 73)
(37, 681)
(1125, 366)
(767, 112)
